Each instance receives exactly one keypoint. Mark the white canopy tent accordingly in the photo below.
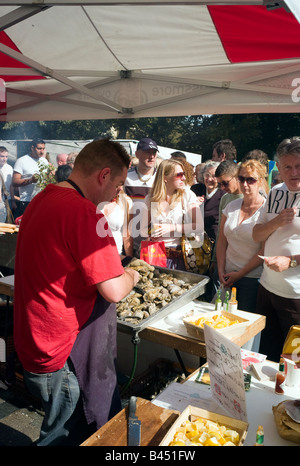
(75, 59)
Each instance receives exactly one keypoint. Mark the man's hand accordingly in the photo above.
(286, 216)
(135, 276)
(278, 263)
(261, 232)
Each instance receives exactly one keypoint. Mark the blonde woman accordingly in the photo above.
(171, 210)
(237, 253)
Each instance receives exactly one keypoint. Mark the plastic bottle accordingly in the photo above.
(280, 378)
(233, 304)
(260, 437)
(218, 302)
(226, 301)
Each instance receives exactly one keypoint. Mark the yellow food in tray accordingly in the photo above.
(203, 432)
(216, 321)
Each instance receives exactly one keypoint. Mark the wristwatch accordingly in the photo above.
(293, 262)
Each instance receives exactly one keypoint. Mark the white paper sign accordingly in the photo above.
(226, 373)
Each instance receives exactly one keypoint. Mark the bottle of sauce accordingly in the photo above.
(218, 302)
(233, 304)
(260, 437)
(226, 301)
(280, 378)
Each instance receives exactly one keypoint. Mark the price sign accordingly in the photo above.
(226, 373)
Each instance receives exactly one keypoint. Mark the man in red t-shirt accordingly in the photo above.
(67, 274)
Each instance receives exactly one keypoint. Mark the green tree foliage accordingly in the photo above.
(186, 133)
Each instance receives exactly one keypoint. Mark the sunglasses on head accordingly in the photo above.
(179, 175)
(224, 183)
(248, 179)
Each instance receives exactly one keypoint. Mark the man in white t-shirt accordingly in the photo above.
(25, 169)
(5, 182)
(279, 226)
(6, 170)
(138, 183)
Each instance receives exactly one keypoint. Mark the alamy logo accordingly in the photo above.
(296, 91)
(138, 226)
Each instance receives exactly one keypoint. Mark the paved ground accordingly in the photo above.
(21, 416)
(20, 420)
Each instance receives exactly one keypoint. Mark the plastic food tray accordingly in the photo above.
(232, 331)
(191, 413)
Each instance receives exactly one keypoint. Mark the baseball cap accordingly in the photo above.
(147, 143)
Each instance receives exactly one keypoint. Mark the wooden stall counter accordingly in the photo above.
(170, 331)
(155, 423)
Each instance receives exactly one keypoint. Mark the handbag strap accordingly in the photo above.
(182, 206)
(3, 186)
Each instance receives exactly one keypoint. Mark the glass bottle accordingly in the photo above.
(280, 378)
(218, 302)
(260, 437)
(233, 304)
(226, 301)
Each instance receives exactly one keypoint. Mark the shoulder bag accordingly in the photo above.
(196, 254)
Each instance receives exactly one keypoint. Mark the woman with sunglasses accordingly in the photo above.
(237, 253)
(172, 209)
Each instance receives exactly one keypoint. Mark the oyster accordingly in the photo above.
(153, 291)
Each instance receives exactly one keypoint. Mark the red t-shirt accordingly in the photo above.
(59, 260)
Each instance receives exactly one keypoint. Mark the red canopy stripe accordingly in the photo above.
(8, 62)
(253, 33)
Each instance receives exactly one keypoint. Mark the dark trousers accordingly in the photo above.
(281, 314)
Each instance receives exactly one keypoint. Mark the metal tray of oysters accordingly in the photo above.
(159, 292)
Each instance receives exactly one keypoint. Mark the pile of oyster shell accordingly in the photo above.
(153, 291)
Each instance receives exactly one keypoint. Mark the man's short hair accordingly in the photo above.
(257, 154)
(37, 141)
(288, 146)
(225, 146)
(227, 167)
(178, 155)
(3, 149)
(97, 155)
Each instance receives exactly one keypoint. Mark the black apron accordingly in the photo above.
(94, 358)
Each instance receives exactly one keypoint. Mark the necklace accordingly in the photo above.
(72, 183)
(141, 179)
(247, 211)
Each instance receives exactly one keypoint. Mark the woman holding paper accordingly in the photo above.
(237, 253)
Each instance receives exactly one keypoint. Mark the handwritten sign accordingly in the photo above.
(226, 373)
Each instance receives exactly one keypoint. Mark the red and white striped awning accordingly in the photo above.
(71, 59)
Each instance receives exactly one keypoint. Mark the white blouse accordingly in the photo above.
(241, 247)
(174, 216)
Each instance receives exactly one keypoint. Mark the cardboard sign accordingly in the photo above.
(226, 373)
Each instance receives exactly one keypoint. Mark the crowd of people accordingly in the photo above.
(18, 183)
(94, 219)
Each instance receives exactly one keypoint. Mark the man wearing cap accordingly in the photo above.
(139, 182)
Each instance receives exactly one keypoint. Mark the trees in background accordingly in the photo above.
(186, 133)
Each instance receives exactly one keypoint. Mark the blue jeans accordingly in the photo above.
(60, 395)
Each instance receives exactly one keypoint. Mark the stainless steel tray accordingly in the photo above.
(200, 282)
